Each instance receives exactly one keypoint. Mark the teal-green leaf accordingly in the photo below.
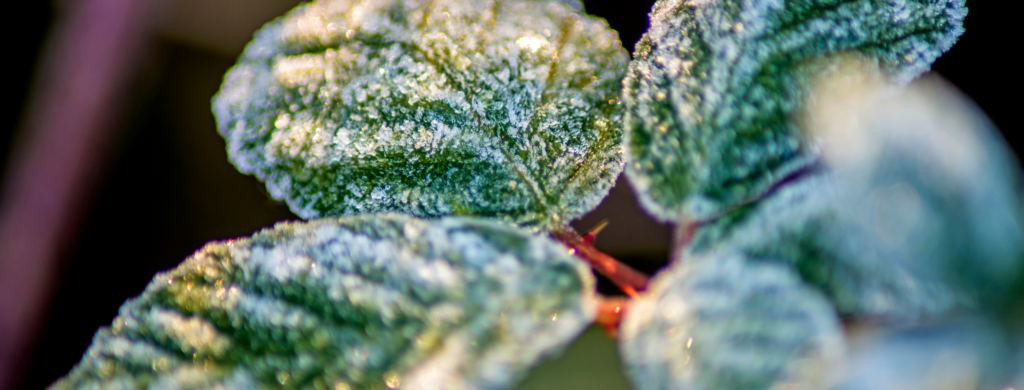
(370, 302)
(968, 352)
(715, 84)
(729, 322)
(915, 212)
(503, 109)
(818, 232)
(930, 178)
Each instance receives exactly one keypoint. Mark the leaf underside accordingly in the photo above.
(728, 322)
(715, 85)
(368, 302)
(504, 109)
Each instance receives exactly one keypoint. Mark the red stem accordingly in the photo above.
(628, 279)
(609, 314)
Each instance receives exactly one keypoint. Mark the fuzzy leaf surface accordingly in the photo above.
(505, 109)
(729, 322)
(353, 303)
(715, 84)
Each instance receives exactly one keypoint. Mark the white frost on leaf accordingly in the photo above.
(430, 108)
(728, 322)
(381, 301)
(716, 87)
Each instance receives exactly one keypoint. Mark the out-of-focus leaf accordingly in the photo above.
(728, 322)
(931, 179)
(358, 303)
(491, 108)
(967, 354)
(808, 225)
(715, 85)
(917, 210)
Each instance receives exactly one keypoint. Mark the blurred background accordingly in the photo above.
(154, 183)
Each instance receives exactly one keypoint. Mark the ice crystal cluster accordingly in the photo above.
(716, 85)
(730, 323)
(353, 303)
(504, 109)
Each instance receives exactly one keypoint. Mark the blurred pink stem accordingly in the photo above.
(90, 59)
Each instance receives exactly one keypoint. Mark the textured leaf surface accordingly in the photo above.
(715, 84)
(359, 303)
(726, 322)
(491, 108)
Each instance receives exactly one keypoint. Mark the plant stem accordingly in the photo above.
(626, 278)
(609, 314)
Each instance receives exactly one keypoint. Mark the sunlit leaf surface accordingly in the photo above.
(728, 322)
(490, 108)
(375, 302)
(715, 84)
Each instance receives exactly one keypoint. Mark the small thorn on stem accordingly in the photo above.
(592, 234)
(609, 315)
(627, 279)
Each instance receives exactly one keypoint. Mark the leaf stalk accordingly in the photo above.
(629, 280)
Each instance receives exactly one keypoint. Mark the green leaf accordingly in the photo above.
(492, 108)
(931, 180)
(916, 213)
(715, 84)
(728, 322)
(368, 302)
(964, 353)
(810, 226)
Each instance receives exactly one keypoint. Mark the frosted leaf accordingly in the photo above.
(810, 226)
(354, 303)
(916, 211)
(931, 179)
(712, 92)
(726, 322)
(494, 108)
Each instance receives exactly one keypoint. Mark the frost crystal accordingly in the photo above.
(494, 108)
(357, 303)
(725, 322)
(715, 84)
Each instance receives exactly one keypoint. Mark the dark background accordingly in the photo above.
(167, 187)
